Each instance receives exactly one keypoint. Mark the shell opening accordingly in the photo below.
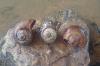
(74, 36)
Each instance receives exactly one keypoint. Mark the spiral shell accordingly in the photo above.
(23, 33)
(75, 32)
(48, 32)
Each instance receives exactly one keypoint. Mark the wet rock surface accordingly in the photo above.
(34, 55)
(38, 53)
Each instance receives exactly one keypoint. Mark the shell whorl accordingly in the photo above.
(23, 33)
(48, 32)
(49, 35)
(75, 32)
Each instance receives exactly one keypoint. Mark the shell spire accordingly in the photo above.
(48, 32)
(23, 32)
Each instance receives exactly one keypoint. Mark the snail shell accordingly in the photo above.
(23, 33)
(48, 32)
(75, 32)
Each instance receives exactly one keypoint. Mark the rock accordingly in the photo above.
(39, 53)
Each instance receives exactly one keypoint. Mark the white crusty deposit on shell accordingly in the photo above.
(48, 32)
(49, 35)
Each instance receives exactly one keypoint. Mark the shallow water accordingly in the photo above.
(11, 11)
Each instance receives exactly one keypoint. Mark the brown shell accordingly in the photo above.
(78, 32)
(74, 36)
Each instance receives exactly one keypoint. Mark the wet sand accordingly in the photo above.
(12, 11)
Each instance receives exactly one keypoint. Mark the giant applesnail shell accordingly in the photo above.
(48, 32)
(23, 33)
(75, 32)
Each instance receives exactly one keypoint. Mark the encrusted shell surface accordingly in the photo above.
(52, 23)
(23, 33)
(49, 35)
(48, 32)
